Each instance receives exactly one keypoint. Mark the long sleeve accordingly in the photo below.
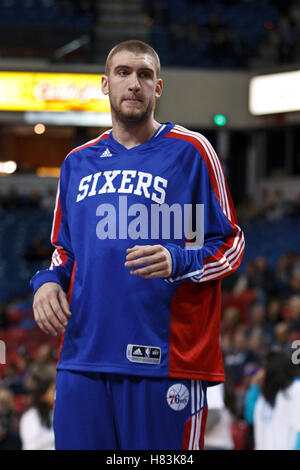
(223, 240)
(62, 262)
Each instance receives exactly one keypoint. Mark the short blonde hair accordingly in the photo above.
(136, 47)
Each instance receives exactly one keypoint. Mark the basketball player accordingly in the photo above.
(135, 297)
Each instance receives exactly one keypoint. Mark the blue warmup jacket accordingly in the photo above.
(109, 199)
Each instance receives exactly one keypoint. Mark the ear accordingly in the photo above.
(158, 88)
(104, 85)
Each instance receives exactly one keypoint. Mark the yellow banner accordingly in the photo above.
(30, 91)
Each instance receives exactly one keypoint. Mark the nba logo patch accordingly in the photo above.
(143, 354)
(178, 396)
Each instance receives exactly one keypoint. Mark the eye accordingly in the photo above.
(123, 73)
(145, 74)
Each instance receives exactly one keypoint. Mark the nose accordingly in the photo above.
(134, 83)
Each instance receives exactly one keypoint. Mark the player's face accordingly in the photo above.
(132, 86)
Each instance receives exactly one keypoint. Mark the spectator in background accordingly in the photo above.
(36, 424)
(257, 345)
(244, 282)
(226, 343)
(282, 335)
(273, 405)
(46, 357)
(47, 203)
(296, 212)
(294, 311)
(267, 53)
(258, 324)
(13, 377)
(9, 438)
(274, 314)
(221, 44)
(33, 200)
(274, 209)
(263, 279)
(292, 205)
(178, 39)
(230, 320)
(221, 414)
(240, 355)
(250, 370)
(287, 266)
(248, 209)
(294, 282)
(38, 250)
(11, 200)
(157, 13)
(4, 321)
(229, 284)
(258, 277)
(195, 41)
(262, 200)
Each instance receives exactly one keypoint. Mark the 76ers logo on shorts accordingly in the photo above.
(178, 397)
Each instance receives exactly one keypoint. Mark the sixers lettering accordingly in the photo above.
(140, 323)
(120, 181)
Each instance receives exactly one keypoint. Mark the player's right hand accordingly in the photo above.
(51, 308)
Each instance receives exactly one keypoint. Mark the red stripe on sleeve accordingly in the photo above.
(202, 151)
(69, 296)
(57, 223)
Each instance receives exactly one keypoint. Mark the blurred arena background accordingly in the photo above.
(211, 51)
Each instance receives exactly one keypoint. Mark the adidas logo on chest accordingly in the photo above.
(106, 154)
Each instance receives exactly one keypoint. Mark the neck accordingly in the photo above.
(132, 134)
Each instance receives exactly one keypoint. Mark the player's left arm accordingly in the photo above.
(222, 249)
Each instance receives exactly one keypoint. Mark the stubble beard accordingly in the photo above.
(133, 116)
